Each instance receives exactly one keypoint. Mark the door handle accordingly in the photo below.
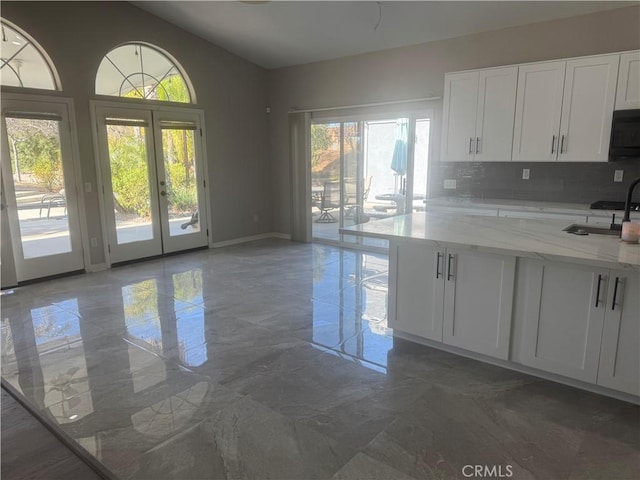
(562, 145)
(615, 293)
(553, 143)
(439, 255)
(470, 145)
(598, 290)
(449, 274)
(477, 144)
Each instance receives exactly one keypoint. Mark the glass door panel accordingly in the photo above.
(326, 157)
(36, 167)
(180, 180)
(421, 162)
(129, 183)
(352, 206)
(39, 189)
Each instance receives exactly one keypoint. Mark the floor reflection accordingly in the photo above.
(275, 360)
(350, 307)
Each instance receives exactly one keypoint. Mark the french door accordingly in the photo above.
(153, 182)
(40, 215)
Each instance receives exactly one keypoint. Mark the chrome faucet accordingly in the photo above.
(627, 205)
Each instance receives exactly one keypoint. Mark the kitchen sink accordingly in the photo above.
(577, 229)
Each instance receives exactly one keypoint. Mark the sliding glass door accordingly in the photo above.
(152, 181)
(364, 170)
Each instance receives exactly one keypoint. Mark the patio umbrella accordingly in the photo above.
(399, 158)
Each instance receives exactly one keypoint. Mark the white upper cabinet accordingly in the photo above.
(564, 110)
(478, 115)
(628, 93)
(538, 111)
(459, 116)
(496, 110)
(587, 108)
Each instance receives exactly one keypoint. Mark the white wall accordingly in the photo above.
(418, 71)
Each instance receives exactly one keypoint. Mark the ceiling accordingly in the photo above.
(276, 34)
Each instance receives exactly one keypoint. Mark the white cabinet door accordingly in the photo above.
(538, 109)
(628, 92)
(417, 300)
(564, 307)
(459, 116)
(620, 351)
(587, 108)
(478, 300)
(495, 117)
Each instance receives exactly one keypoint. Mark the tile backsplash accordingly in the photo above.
(575, 182)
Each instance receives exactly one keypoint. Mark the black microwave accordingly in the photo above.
(625, 136)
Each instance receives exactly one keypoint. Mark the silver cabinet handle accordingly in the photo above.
(449, 274)
(553, 143)
(438, 265)
(470, 145)
(562, 145)
(477, 144)
(598, 290)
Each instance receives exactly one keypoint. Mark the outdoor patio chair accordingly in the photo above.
(53, 200)
(329, 201)
(353, 207)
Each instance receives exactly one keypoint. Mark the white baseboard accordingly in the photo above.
(284, 236)
(252, 238)
(96, 267)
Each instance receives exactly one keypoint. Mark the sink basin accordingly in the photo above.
(577, 229)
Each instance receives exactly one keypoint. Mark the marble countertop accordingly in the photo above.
(542, 239)
(524, 205)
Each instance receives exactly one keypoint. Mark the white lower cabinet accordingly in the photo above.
(620, 350)
(581, 322)
(478, 300)
(462, 298)
(564, 307)
(416, 302)
(573, 320)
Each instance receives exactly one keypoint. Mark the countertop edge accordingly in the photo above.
(496, 250)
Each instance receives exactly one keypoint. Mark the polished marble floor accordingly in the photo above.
(274, 360)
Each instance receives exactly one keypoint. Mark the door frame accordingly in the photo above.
(94, 105)
(74, 152)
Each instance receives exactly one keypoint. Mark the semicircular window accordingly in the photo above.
(23, 62)
(137, 70)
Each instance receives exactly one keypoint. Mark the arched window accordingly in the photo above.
(24, 63)
(137, 70)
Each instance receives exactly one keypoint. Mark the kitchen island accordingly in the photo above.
(519, 293)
